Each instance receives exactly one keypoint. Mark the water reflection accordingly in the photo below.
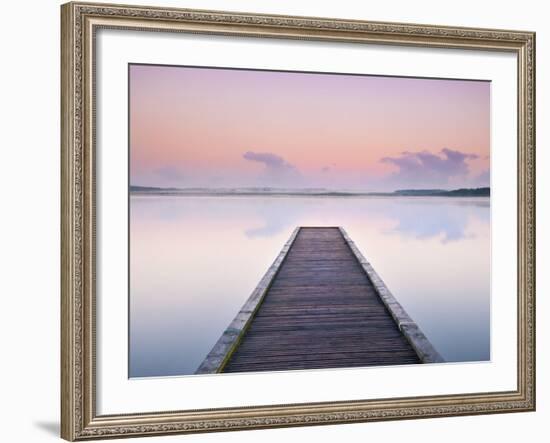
(195, 260)
(277, 216)
(424, 220)
(411, 216)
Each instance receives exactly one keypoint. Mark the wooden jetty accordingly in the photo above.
(320, 305)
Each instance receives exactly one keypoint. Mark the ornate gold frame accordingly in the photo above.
(79, 21)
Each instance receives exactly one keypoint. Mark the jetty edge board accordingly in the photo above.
(229, 342)
(412, 332)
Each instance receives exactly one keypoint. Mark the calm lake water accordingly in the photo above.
(195, 260)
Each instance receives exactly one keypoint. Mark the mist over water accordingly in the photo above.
(194, 260)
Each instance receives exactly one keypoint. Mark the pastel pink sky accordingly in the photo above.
(229, 128)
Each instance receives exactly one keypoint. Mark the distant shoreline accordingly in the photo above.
(257, 192)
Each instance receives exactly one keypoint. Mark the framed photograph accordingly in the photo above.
(282, 221)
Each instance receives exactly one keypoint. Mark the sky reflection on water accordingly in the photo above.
(195, 260)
